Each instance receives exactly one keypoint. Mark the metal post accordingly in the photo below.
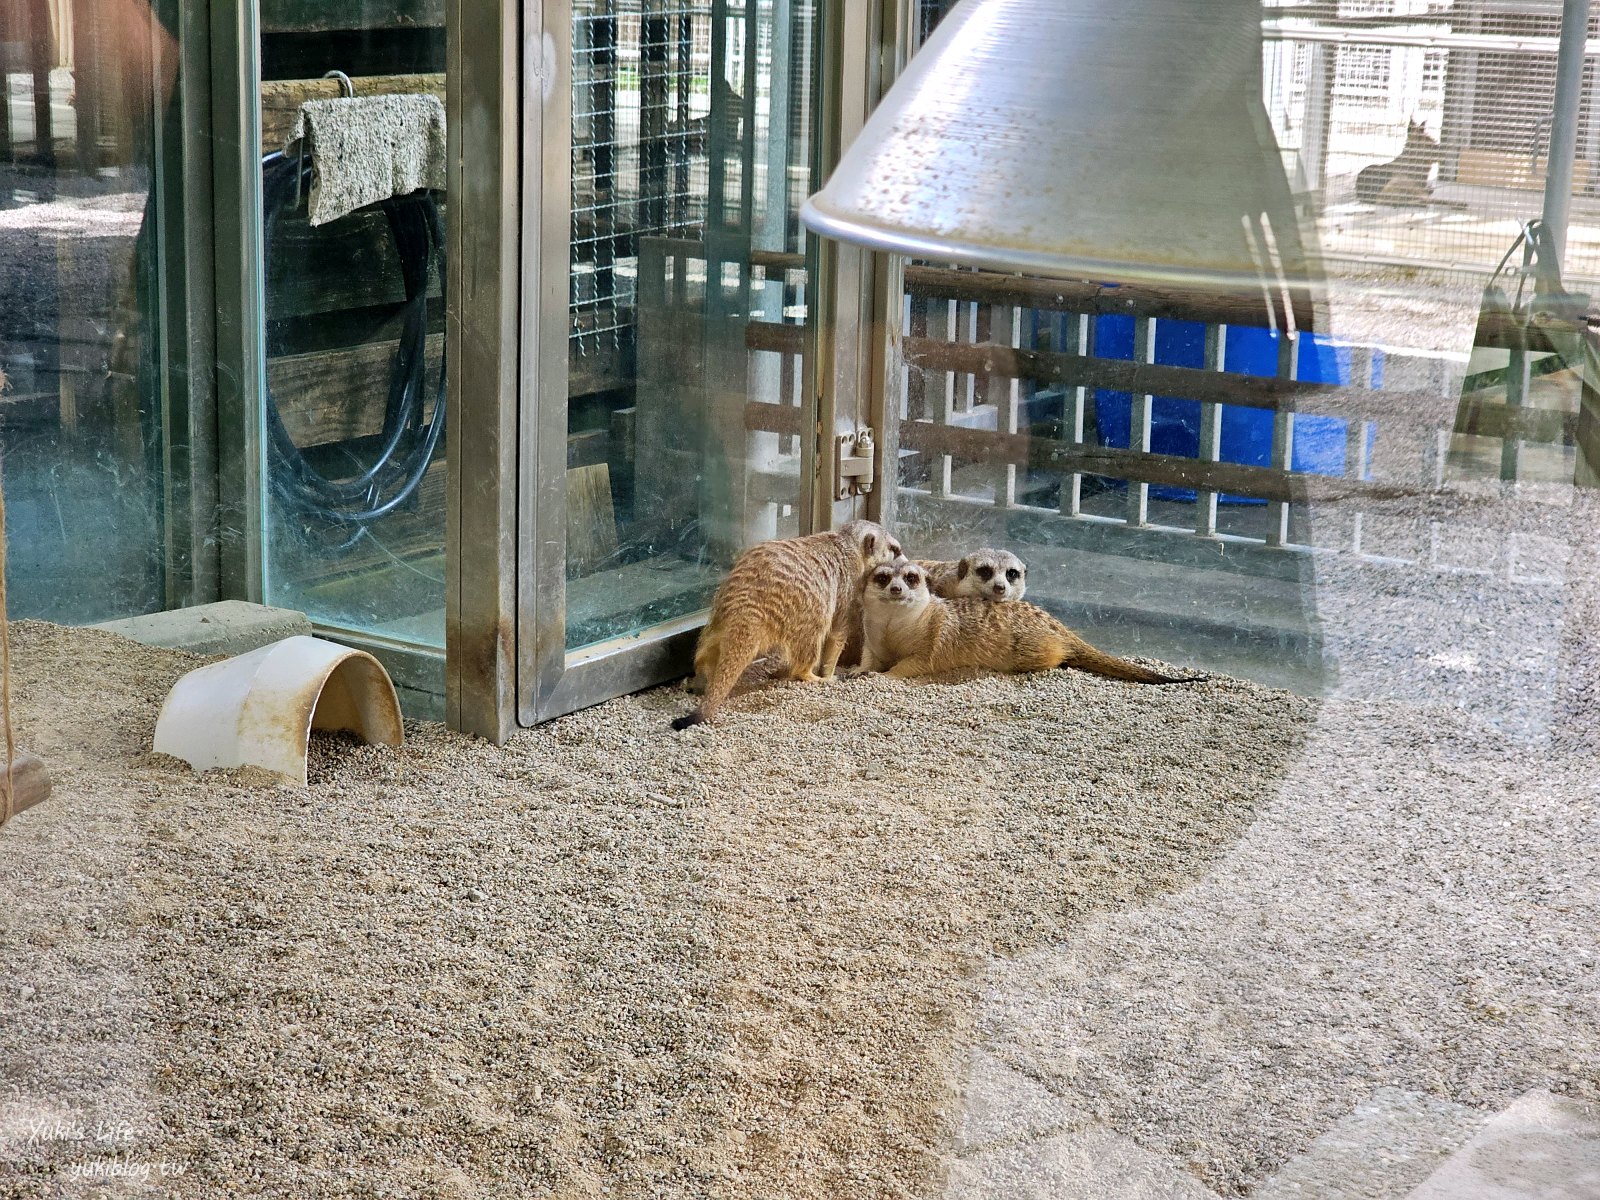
(1564, 121)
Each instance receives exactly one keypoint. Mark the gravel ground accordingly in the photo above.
(762, 959)
(599, 960)
(1418, 309)
(1415, 910)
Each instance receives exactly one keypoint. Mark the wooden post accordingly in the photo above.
(30, 783)
(40, 58)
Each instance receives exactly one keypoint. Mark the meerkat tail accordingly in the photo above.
(1085, 657)
(740, 648)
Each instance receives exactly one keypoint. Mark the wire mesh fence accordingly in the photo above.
(690, 121)
(641, 101)
(1417, 132)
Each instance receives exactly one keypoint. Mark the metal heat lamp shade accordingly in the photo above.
(1114, 140)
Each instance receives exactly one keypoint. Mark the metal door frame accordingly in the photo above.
(521, 554)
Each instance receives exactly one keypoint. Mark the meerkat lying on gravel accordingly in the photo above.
(800, 596)
(996, 575)
(983, 575)
(910, 631)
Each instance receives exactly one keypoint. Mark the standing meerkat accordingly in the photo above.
(982, 575)
(910, 631)
(800, 596)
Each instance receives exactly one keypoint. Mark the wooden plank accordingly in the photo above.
(281, 98)
(982, 445)
(349, 263)
(1499, 168)
(760, 417)
(326, 16)
(1483, 417)
(591, 522)
(1501, 331)
(1193, 383)
(1138, 300)
(772, 336)
(588, 449)
(336, 395)
(406, 533)
(30, 783)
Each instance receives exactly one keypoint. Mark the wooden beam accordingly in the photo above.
(1023, 449)
(760, 417)
(350, 263)
(1190, 383)
(320, 16)
(281, 98)
(1395, 407)
(1501, 331)
(1495, 419)
(30, 783)
(335, 395)
(1134, 300)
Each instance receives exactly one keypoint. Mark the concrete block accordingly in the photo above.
(226, 627)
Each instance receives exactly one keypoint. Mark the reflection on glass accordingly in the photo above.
(1191, 477)
(354, 415)
(691, 127)
(82, 90)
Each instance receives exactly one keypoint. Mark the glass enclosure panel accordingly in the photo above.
(86, 123)
(691, 157)
(1195, 483)
(354, 400)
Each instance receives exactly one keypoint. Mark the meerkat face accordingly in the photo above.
(898, 582)
(992, 575)
(874, 543)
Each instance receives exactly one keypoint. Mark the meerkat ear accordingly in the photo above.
(868, 543)
(963, 567)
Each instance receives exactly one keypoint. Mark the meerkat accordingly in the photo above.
(997, 575)
(982, 575)
(910, 631)
(800, 596)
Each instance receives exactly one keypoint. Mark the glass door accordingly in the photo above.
(108, 471)
(354, 403)
(678, 143)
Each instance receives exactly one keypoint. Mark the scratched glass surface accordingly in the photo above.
(354, 308)
(1253, 487)
(81, 387)
(691, 144)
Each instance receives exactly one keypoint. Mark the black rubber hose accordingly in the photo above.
(406, 446)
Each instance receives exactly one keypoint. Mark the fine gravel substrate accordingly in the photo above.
(738, 961)
(756, 959)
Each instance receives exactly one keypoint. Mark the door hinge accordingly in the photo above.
(853, 468)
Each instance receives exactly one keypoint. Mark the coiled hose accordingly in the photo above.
(406, 445)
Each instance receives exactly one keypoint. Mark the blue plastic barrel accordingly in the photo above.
(1319, 442)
